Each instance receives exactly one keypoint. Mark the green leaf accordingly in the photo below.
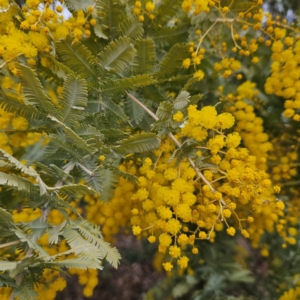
(6, 219)
(131, 28)
(125, 175)
(182, 100)
(164, 110)
(22, 264)
(60, 174)
(33, 91)
(82, 263)
(54, 232)
(120, 86)
(114, 108)
(117, 55)
(92, 234)
(166, 11)
(37, 228)
(72, 101)
(16, 181)
(173, 61)
(110, 14)
(77, 57)
(109, 184)
(11, 105)
(58, 146)
(134, 111)
(7, 265)
(99, 32)
(168, 36)
(144, 62)
(78, 190)
(25, 293)
(71, 135)
(79, 4)
(31, 243)
(112, 135)
(138, 143)
(81, 246)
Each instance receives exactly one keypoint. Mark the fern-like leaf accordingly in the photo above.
(92, 234)
(59, 145)
(182, 100)
(131, 29)
(166, 11)
(125, 175)
(16, 181)
(77, 5)
(119, 87)
(77, 57)
(114, 108)
(109, 184)
(145, 59)
(117, 55)
(138, 143)
(6, 219)
(37, 228)
(71, 135)
(54, 232)
(79, 263)
(168, 36)
(33, 91)
(173, 61)
(134, 111)
(72, 101)
(11, 105)
(82, 247)
(7, 265)
(73, 190)
(24, 292)
(109, 15)
(29, 171)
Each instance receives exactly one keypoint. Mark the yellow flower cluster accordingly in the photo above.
(39, 24)
(227, 66)
(112, 216)
(141, 11)
(284, 80)
(13, 128)
(291, 294)
(248, 125)
(196, 6)
(88, 278)
(169, 198)
(253, 136)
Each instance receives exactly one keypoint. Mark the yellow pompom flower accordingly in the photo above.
(151, 239)
(168, 266)
(183, 262)
(199, 75)
(230, 231)
(20, 123)
(136, 230)
(150, 6)
(178, 116)
(59, 9)
(225, 120)
(186, 63)
(174, 251)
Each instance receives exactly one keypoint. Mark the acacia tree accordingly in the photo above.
(177, 119)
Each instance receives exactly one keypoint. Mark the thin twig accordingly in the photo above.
(9, 244)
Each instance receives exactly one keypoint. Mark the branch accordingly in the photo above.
(9, 244)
